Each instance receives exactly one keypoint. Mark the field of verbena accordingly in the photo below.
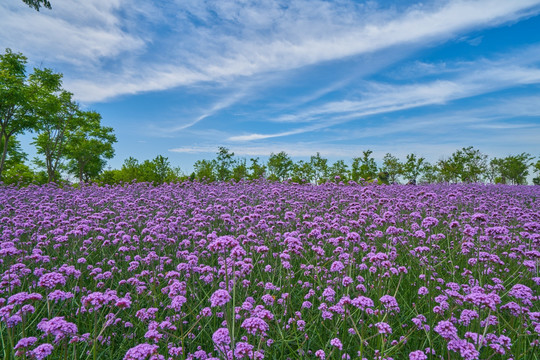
(269, 270)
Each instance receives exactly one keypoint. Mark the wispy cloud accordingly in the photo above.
(375, 98)
(230, 38)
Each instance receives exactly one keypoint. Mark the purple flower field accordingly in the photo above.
(268, 270)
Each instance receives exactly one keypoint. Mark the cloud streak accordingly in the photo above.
(230, 39)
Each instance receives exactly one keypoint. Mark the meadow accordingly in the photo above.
(261, 270)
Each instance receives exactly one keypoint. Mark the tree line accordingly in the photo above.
(72, 141)
(466, 165)
(67, 138)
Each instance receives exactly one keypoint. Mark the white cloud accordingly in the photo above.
(233, 39)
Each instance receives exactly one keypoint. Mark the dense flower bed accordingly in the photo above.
(269, 270)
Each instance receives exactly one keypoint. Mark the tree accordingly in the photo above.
(338, 171)
(364, 167)
(16, 108)
(58, 116)
(391, 166)
(319, 165)
(90, 144)
(412, 168)
(37, 4)
(224, 164)
(516, 168)
(302, 172)
(15, 155)
(257, 171)
(536, 180)
(204, 169)
(279, 165)
(240, 171)
(430, 174)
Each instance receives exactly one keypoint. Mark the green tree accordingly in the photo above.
(339, 171)
(257, 171)
(37, 4)
(58, 117)
(413, 167)
(17, 95)
(430, 174)
(130, 170)
(320, 168)
(204, 169)
(364, 167)
(536, 166)
(516, 168)
(15, 155)
(240, 171)
(90, 144)
(302, 172)
(224, 164)
(279, 166)
(392, 166)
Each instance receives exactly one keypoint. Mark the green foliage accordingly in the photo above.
(319, 165)
(37, 4)
(364, 167)
(224, 164)
(257, 171)
(89, 145)
(157, 171)
(339, 171)
(393, 167)
(279, 166)
(17, 100)
(536, 166)
(512, 169)
(302, 172)
(413, 167)
(240, 171)
(204, 170)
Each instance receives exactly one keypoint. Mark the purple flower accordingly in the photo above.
(384, 328)
(143, 352)
(337, 343)
(390, 303)
(254, 325)
(219, 298)
(52, 279)
(58, 327)
(221, 337)
(243, 350)
(25, 343)
(446, 329)
(42, 351)
(177, 302)
(417, 355)
(337, 266)
(320, 354)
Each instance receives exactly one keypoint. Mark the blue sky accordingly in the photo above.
(180, 78)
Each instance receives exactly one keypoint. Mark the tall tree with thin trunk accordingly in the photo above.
(88, 145)
(18, 100)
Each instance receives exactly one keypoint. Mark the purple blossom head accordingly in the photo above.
(219, 298)
(383, 328)
(417, 355)
(42, 351)
(50, 280)
(337, 343)
(446, 329)
(58, 327)
(337, 266)
(390, 303)
(255, 325)
(143, 352)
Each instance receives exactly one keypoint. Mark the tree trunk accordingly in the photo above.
(4, 155)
